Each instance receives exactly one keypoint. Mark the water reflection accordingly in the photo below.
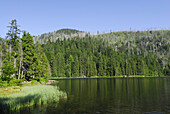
(122, 95)
(128, 95)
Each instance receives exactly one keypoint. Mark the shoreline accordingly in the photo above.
(105, 77)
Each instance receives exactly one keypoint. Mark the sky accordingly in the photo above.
(43, 16)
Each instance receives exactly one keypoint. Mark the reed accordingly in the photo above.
(29, 96)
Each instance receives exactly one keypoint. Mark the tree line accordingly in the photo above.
(143, 53)
(20, 58)
(91, 56)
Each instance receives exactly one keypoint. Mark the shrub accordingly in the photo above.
(16, 82)
(3, 83)
(41, 80)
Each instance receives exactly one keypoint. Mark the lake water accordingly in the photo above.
(107, 96)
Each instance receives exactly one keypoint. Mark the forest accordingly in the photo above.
(73, 53)
(20, 58)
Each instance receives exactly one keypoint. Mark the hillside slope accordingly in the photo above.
(116, 53)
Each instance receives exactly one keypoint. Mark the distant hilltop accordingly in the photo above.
(60, 34)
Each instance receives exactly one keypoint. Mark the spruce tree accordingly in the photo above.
(28, 55)
(94, 70)
(13, 42)
(43, 67)
(75, 67)
(100, 66)
(69, 62)
(2, 53)
(60, 65)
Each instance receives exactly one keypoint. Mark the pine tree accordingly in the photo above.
(75, 67)
(46, 70)
(80, 65)
(60, 65)
(89, 67)
(104, 65)
(2, 51)
(43, 67)
(13, 42)
(94, 70)
(100, 65)
(69, 62)
(112, 65)
(54, 65)
(28, 54)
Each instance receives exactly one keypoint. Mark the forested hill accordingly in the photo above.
(73, 53)
(115, 53)
(144, 42)
(60, 34)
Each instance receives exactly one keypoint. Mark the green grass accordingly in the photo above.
(9, 90)
(29, 96)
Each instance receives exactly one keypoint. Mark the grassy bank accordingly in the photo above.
(29, 96)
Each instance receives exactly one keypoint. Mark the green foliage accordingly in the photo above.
(67, 31)
(11, 82)
(8, 69)
(37, 80)
(72, 53)
(41, 80)
(13, 43)
(34, 82)
(22, 58)
(60, 65)
(93, 56)
(35, 63)
(40, 66)
(28, 53)
(3, 83)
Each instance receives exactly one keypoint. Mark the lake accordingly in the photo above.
(116, 95)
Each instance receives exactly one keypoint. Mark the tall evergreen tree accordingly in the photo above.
(28, 54)
(100, 66)
(60, 65)
(69, 62)
(75, 67)
(43, 67)
(13, 42)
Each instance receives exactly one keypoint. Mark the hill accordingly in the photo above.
(60, 34)
(73, 53)
(115, 53)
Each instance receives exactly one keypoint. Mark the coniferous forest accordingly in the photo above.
(73, 53)
(20, 58)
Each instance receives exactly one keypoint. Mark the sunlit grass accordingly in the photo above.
(9, 90)
(29, 96)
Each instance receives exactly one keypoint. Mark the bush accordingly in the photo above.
(16, 82)
(41, 80)
(34, 82)
(3, 84)
(12, 83)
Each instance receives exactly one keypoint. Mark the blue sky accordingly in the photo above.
(43, 16)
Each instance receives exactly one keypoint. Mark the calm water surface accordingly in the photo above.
(107, 96)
